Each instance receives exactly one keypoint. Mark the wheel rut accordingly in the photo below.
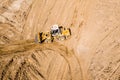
(44, 62)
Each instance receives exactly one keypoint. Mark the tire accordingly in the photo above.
(69, 31)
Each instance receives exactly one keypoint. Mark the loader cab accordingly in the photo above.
(55, 30)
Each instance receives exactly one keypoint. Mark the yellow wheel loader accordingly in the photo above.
(56, 33)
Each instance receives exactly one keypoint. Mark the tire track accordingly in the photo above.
(6, 68)
(44, 62)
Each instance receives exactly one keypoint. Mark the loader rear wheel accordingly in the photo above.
(69, 31)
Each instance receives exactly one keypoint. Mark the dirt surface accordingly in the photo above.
(28, 61)
(91, 53)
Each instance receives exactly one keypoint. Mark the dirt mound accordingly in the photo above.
(28, 61)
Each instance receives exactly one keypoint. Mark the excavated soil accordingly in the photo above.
(91, 53)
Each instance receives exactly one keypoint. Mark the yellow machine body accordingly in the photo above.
(62, 34)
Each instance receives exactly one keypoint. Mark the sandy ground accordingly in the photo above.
(26, 60)
(93, 46)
